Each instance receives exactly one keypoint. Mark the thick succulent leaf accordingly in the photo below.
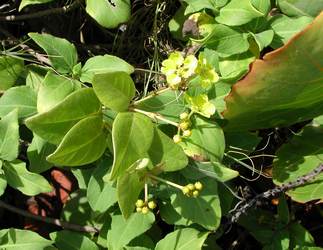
(61, 53)
(183, 239)
(300, 7)
(283, 88)
(115, 90)
(23, 239)
(9, 136)
(20, 178)
(103, 64)
(84, 143)
(109, 14)
(10, 69)
(298, 157)
(132, 134)
(123, 231)
(22, 98)
(55, 123)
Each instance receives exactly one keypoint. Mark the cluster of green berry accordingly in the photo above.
(192, 190)
(184, 127)
(145, 207)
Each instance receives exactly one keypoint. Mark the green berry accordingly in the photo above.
(152, 205)
(195, 193)
(187, 133)
(140, 203)
(177, 138)
(145, 210)
(138, 209)
(198, 185)
(191, 187)
(185, 190)
(183, 116)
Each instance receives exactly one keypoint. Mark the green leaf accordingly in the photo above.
(61, 53)
(84, 143)
(23, 98)
(238, 12)
(298, 157)
(9, 136)
(129, 186)
(35, 77)
(280, 89)
(264, 6)
(206, 141)
(115, 90)
(217, 94)
(227, 41)
(37, 152)
(101, 195)
(242, 140)
(10, 70)
(3, 183)
(183, 239)
(55, 123)
(165, 152)
(195, 6)
(25, 3)
(67, 240)
(83, 176)
(132, 134)
(103, 64)
(175, 25)
(168, 103)
(264, 38)
(17, 239)
(170, 216)
(109, 14)
(53, 90)
(286, 27)
(26, 182)
(123, 231)
(300, 7)
(204, 210)
(300, 237)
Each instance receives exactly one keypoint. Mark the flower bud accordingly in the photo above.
(139, 203)
(145, 210)
(195, 193)
(177, 138)
(138, 209)
(198, 185)
(184, 125)
(151, 204)
(183, 116)
(187, 133)
(190, 187)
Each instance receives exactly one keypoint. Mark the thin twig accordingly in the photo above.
(60, 10)
(57, 222)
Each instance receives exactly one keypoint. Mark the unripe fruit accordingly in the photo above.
(190, 187)
(185, 190)
(177, 138)
(187, 133)
(138, 209)
(198, 185)
(183, 116)
(151, 204)
(195, 193)
(145, 210)
(140, 203)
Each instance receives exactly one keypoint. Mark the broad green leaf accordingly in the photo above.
(22, 98)
(9, 136)
(175, 25)
(242, 140)
(123, 231)
(83, 176)
(132, 134)
(129, 186)
(109, 14)
(10, 69)
(206, 141)
(167, 102)
(26, 182)
(300, 237)
(183, 239)
(35, 77)
(142, 242)
(264, 6)
(195, 6)
(3, 183)
(285, 27)
(61, 53)
(101, 195)
(25, 3)
(227, 41)
(37, 152)
(53, 90)
(17, 239)
(115, 90)
(68, 240)
(204, 210)
(282, 88)
(55, 123)
(165, 152)
(170, 215)
(280, 240)
(300, 7)
(84, 143)
(217, 94)
(264, 38)
(103, 64)
(238, 12)
(298, 157)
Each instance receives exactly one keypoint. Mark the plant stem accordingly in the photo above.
(154, 177)
(57, 222)
(146, 192)
(155, 116)
(148, 71)
(151, 96)
(61, 10)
